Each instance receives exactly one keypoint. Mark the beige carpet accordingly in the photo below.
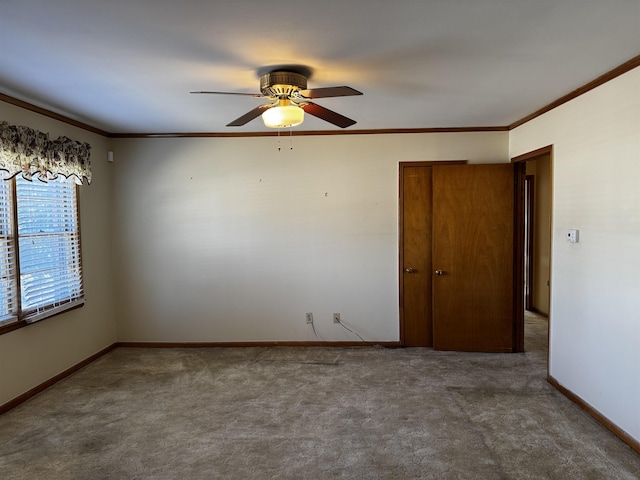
(310, 413)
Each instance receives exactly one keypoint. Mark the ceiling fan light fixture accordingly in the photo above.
(290, 100)
(283, 116)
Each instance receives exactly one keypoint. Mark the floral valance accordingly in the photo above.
(31, 153)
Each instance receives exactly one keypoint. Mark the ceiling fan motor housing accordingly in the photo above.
(280, 83)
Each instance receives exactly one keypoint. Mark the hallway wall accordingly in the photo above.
(595, 284)
(540, 168)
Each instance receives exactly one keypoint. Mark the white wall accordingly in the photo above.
(595, 284)
(34, 354)
(231, 240)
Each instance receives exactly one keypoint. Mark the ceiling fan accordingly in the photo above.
(289, 100)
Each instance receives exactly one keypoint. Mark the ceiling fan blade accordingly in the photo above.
(327, 115)
(255, 95)
(326, 92)
(247, 117)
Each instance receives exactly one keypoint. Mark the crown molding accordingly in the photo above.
(48, 113)
(307, 133)
(601, 80)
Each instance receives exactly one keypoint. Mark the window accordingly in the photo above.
(40, 260)
(8, 288)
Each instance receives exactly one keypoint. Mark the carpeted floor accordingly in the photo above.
(310, 413)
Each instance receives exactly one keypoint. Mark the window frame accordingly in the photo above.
(29, 317)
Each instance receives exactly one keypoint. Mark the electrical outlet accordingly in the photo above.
(309, 317)
(336, 318)
(573, 236)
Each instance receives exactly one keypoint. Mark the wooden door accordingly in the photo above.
(415, 256)
(473, 249)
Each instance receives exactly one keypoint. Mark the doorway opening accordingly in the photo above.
(533, 244)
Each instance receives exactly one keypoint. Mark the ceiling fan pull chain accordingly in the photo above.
(278, 139)
(291, 138)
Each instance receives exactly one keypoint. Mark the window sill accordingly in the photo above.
(36, 318)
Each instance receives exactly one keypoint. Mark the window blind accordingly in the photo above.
(8, 280)
(49, 247)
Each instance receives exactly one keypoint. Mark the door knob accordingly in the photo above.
(439, 272)
(409, 270)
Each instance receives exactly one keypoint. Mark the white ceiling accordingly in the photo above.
(128, 65)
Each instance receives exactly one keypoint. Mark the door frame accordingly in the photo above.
(401, 167)
(518, 238)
